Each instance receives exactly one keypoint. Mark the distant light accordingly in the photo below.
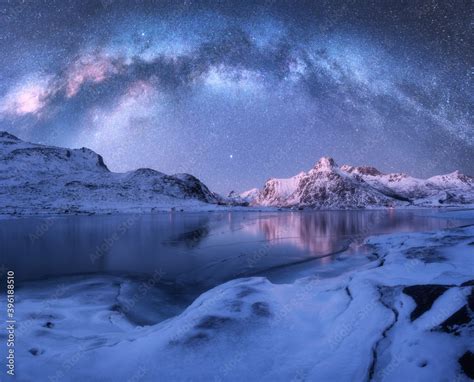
(231, 156)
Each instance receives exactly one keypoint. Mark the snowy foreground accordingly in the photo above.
(404, 316)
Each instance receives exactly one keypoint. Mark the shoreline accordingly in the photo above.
(220, 209)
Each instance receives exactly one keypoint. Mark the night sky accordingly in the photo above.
(237, 92)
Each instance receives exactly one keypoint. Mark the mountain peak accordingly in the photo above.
(456, 174)
(6, 135)
(325, 164)
(361, 170)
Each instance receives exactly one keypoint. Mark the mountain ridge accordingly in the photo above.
(327, 185)
(37, 178)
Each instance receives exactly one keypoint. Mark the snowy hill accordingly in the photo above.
(328, 186)
(44, 179)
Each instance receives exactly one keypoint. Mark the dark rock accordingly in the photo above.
(116, 308)
(424, 296)
(470, 300)
(423, 363)
(364, 170)
(467, 364)
(459, 318)
(49, 325)
(100, 162)
(36, 351)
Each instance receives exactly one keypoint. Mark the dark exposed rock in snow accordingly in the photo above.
(424, 296)
(467, 364)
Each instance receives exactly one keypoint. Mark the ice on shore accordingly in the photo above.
(405, 316)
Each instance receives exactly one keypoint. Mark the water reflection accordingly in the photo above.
(324, 232)
(191, 248)
(189, 239)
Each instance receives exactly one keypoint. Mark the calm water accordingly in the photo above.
(194, 248)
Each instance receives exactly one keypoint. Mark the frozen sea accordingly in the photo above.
(196, 248)
(268, 295)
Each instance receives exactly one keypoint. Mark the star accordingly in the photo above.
(283, 85)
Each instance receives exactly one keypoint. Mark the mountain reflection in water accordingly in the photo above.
(193, 247)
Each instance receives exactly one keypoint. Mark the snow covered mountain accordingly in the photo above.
(37, 178)
(245, 198)
(453, 188)
(324, 186)
(328, 186)
(45, 179)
